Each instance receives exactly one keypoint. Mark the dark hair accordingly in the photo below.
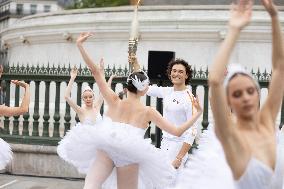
(130, 87)
(121, 94)
(186, 66)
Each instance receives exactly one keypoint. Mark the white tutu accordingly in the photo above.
(207, 167)
(5, 154)
(124, 144)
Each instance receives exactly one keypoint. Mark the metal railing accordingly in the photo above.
(26, 128)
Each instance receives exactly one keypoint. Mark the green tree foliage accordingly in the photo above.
(98, 3)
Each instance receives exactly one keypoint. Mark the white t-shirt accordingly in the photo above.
(177, 109)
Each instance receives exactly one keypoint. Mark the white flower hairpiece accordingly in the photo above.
(88, 88)
(234, 69)
(140, 85)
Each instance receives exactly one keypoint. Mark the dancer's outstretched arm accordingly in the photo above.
(67, 96)
(100, 100)
(108, 94)
(276, 88)
(240, 17)
(99, 103)
(163, 124)
(111, 79)
(23, 108)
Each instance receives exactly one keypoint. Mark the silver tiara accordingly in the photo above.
(140, 85)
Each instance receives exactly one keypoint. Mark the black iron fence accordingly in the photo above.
(35, 127)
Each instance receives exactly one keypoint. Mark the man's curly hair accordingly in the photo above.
(186, 66)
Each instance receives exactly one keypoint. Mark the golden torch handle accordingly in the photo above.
(133, 40)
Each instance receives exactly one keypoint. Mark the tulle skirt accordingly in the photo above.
(124, 144)
(5, 154)
(207, 167)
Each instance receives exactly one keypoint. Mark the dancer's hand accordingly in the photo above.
(20, 83)
(196, 104)
(74, 72)
(270, 7)
(132, 59)
(240, 14)
(83, 37)
(176, 163)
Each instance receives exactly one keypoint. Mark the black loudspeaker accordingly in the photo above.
(158, 62)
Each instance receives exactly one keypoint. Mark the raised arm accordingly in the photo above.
(106, 92)
(163, 124)
(23, 108)
(240, 17)
(276, 88)
(67, 95)
(100, 100)
(109, 82)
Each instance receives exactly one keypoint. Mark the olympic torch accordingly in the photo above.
(133, 40)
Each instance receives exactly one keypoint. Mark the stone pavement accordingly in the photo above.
(24, 182)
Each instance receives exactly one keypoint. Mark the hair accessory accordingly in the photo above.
(88, 88)
(234, 69)
(140, 85)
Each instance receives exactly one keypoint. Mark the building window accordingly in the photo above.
(33, 9)
(7, 7)
(19, 9)
(46, 8)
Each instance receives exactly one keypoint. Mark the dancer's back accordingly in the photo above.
(130, 111)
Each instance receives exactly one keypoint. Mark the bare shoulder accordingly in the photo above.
(80, 110)
(150, 109)
(116, 98)
(152, 113)
(149, 113)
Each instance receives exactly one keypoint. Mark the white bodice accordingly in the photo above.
(89, 120)
(260, 176)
